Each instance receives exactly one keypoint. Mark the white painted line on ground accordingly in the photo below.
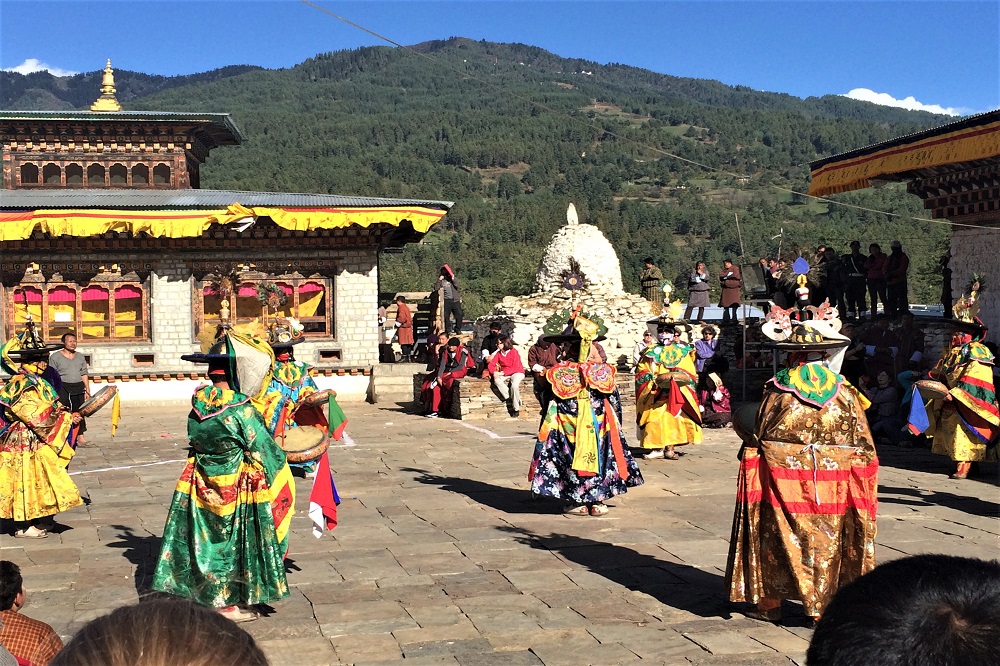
(112, 469)
(490, 433)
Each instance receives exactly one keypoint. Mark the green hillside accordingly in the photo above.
(513, 133)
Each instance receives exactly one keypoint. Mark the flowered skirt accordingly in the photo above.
(552, 470)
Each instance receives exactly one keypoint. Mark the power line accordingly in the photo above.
(656, 149)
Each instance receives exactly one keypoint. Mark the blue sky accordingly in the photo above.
(942, 54)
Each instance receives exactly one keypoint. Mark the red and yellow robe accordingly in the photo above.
(668, 414)
(962, 427)
(34, 450)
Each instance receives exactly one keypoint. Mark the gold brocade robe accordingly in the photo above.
(807, 493)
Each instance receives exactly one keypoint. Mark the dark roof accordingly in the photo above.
(964, 123)
(219, 126)
(31, 199)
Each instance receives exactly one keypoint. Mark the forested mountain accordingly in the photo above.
(512, 133)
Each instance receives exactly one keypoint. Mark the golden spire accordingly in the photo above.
(107, 101)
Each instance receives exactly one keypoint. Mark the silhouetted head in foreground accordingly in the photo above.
(161, 633)
(927, 610)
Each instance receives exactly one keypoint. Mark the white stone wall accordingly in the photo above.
(977, 251)
(356, 289)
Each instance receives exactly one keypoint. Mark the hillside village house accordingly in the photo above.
(955, 170)
(104, 231)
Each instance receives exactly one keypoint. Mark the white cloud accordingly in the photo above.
(885, 99)
(32, 65)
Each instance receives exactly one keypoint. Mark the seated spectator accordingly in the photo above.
(488, 347)
(436, 344)
(161, 633)
(505, 367)
(883, 415)
(717, 411)
(438, 387)
(927, 610)
(27, 639)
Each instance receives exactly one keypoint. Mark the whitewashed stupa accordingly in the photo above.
(584, 248)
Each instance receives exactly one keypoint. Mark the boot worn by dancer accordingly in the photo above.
(962, 472)
(766, 610)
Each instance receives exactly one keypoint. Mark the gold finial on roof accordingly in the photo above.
(107, 101)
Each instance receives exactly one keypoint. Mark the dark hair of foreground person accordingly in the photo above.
(161, 633)
(926, 610)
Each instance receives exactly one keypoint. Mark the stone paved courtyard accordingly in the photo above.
(443, 557)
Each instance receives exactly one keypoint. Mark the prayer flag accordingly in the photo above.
(337, 420)
(323, 499)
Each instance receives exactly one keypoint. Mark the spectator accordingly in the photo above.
(541, 356)
(704, 351)
(857, 281)
(731, 280)
(161, 633)
(697, 291)
(25, 638)
(382, 318)
(875, 270)
(404, 329)
(883, 415)
(853, 365)
(437, 391)
(436, 345)
(650, 280)
(717, 411)
(895, 280)
(640, 348)
(834, 281)
(451, 298)
(947, 299)
(881, 348)
(911, 343)
(488, 347)
(72, 368)
(505, 366)
(926, 610)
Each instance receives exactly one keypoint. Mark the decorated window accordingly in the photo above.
(161, 174)
(140, 174)
(74, 174)
(244, 300)
(95, 175)
(52, 174)
(113, 310)
(29, 174)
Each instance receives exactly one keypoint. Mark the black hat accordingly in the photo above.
(29, 354)
(804, 338)
(454, 342)
(219, 351)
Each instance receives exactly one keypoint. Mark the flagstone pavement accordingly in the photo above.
(442, 556)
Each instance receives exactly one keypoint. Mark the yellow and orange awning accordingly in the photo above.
(854, 171)
(20, 225)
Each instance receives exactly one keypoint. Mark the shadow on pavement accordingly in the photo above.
(920, 459)
(142, 550)
(965, 504)
(673, 584)
(508, 500)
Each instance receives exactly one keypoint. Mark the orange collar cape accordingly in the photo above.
(19, 225)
